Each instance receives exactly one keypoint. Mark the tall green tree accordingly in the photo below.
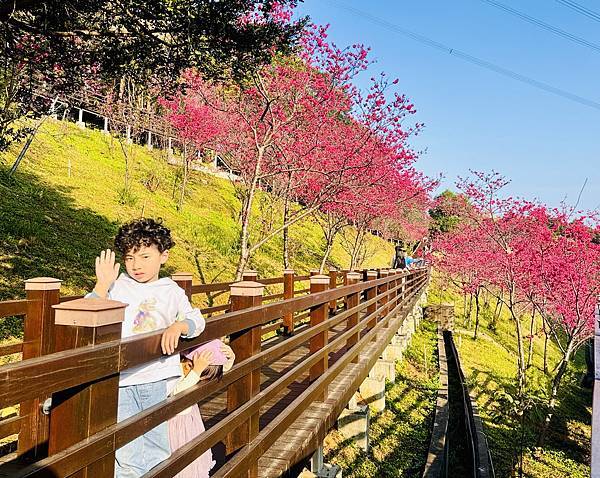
(57, 45)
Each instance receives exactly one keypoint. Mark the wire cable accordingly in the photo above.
(580, 9)
(544, 25)
(469, 58)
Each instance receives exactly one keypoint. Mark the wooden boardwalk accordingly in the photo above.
(304, 436)
(306, 379)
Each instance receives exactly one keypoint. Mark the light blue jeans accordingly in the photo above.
(145, 452)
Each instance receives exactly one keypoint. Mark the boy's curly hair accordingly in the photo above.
(143, 232)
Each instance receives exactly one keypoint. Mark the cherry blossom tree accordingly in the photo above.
(299, 126)
(536, 260)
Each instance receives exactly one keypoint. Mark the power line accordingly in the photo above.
(470, 58)
(580, 9)
(544, 25)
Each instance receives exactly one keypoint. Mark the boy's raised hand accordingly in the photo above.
(106, 272)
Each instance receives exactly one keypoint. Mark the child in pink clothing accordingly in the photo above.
(205, 362)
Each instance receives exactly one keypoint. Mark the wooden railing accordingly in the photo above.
(78, 367)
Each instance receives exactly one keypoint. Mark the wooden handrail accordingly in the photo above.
(11, 308)
(67, 298)
(269, 434)
(216, 308)
(10, 426)
(62, 370)
(11, 349)
(185, 455)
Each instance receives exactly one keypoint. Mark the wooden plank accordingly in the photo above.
(11, 349)
(272, 280)
(67, 298)
(216, 287)
(216, 308)
(273, 297)
(11, 308)
(10, 426)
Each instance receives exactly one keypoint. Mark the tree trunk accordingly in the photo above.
(244, 236)
(247, 202)
(562, 368)
(531, 336)
(476, 313)
(520, 352)
(184, 179)
(358, 242)
(286, 234)
(497, 310)
(469, 310)
(326, 255)
(545, 347)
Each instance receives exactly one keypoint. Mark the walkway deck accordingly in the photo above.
(307, 432)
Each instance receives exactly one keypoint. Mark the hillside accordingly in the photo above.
(67, 200)
(489, 364)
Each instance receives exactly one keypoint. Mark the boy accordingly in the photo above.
(153, 304)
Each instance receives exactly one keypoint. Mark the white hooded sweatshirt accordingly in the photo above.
(154, 306)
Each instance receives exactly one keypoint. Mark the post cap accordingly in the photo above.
(371, 273)
(319, 279)
(354, 276)
(42, 283)
(182, 276)
(289, 271)
(89, 312)
(246, 288)
(384, 272)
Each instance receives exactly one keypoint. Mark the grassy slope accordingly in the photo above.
(490, 366)
(53, 224)
(400, 434)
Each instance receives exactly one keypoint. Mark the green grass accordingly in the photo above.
(400, 434)
(66, 202)
(489, 364)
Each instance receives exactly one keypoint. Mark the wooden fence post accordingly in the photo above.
(383, 273)
(318, 315)
(371, 292)
(288, 293)
(352, 301)
(394, 298)
(332, 285)
(245, 344)
(184, 280)
(249, 276)
(38, 338)
(82, 411)
(345, 273)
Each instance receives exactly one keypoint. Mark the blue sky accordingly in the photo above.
(474, 118)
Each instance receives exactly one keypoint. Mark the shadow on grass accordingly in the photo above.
(44, 233)
(399, 435)
(568, 433)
